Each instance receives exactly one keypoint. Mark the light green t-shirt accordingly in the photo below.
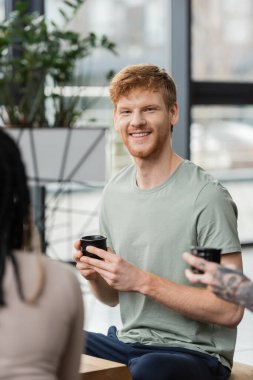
(151, 229)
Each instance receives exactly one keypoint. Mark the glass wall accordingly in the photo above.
(222, 133)
(222, 139)
(136, 26)
(222, 47)
(222, 143)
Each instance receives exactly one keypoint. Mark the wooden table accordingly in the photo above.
(241, 372)
(92, 368)
(99, 369)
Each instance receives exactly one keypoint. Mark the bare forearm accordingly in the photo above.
(103, 292)
(233, 286)
(193, 303)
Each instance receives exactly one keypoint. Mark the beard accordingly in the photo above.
(147, 150)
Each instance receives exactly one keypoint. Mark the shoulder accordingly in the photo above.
(62, 275)
(60, 278)
(215, 193)
(196, 176)
(204, 190)
(204, 183)
(62, 283)
(66, 271)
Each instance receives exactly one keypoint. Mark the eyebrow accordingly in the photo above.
(142, 107)
(151, 105)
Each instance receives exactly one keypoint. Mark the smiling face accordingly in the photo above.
(144, 122)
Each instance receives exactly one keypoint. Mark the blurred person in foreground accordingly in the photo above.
(226, 283)
(151, 212)
(41, 308)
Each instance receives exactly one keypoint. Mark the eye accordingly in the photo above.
(150, 109)
(125, 112)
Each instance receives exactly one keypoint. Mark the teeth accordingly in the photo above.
(140, 134)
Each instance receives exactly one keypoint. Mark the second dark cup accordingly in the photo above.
(98, 241)
(209, 254)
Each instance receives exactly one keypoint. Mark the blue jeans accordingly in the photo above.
(155, 363)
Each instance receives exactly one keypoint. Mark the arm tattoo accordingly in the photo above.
(233, 286)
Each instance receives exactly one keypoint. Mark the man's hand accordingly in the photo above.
(209, 270)
(224, 281)
(91, 271)
(118, 273)
(85, 270)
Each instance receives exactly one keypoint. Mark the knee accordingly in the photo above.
(146, 367)
(138, 368)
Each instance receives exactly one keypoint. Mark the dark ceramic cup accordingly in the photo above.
(98, 241)
(209, 254)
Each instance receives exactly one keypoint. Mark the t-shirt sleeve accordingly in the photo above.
(216, 219)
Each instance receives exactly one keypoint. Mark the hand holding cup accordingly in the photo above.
(97, 241)
(209, 254)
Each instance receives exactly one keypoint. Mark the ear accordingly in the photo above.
(115, 118)
(173, 114)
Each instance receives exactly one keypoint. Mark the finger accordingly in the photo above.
(95, 263)
(87, 272)
(77, 244)
(195, 261)
(105, 255)
(82, 266)
(109, 277)
(192, 277)
(188, 257)
(77, 255)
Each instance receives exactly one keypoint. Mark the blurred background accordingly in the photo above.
(207, 46)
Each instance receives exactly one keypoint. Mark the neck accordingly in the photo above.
(151, 173)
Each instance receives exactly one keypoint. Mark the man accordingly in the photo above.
(151, 212)
(226, 283)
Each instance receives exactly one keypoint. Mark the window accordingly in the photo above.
(137, 27)
(222, 139)
(222, 48)
(222, 98)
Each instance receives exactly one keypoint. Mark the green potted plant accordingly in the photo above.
(35, 53)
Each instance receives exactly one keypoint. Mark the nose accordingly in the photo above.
(137, 119)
